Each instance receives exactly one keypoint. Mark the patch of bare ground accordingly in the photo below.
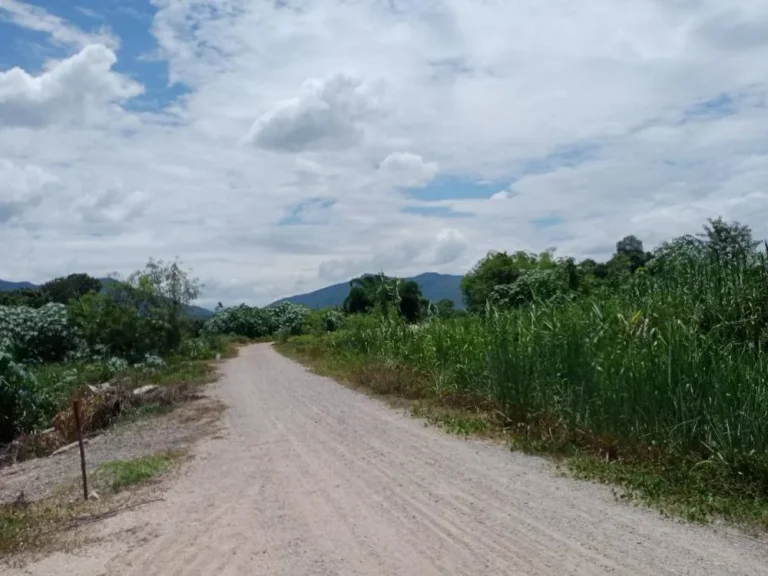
(41, 500)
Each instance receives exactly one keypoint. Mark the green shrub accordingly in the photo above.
(37, 334)
(24, 404)
(253, 322)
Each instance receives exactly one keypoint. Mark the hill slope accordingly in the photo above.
(434, 287)
(7, 286)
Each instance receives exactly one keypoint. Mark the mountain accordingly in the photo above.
(194, 311)
(6, 286)
(434, 287)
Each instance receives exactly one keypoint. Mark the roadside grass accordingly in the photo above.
(120, 474)
(33, 526)
(677, 484)
(29, 526)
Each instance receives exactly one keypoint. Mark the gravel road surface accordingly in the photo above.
(311, 478)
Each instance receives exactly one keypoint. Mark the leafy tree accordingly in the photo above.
(409, 300)
(498, 269)
(168, 289)
(629, 245)
(357, 301)
(446, 308)
(62, 290)
(30, 297)
(536, 284)
(728, 242)
(629, 256)
(168, 281)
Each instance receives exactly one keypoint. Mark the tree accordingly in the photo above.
(629, 256)
(168, 281)
(497, 269)
(728, 242)
(357, 301)
(32, 297)
(446, 308)
(409, 300)
(167, 289)
(72, 287)
(629, 245)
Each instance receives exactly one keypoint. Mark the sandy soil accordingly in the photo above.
(172, 432)
(311, 478)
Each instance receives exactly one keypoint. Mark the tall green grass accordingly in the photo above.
(675, 359)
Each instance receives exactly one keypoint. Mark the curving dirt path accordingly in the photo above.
(311, 478)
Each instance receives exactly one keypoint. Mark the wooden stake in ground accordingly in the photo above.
(76, 411)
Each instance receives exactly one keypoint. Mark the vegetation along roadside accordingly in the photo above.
(648, 371)
(128, 350)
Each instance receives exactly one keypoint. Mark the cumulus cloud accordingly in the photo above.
(407, 169)
(451, 245)
(328, 114)
(21, 188)
(74, 90)
(114, 206)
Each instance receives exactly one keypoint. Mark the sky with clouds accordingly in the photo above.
(277, 146)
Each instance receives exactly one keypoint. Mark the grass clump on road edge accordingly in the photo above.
(121, 474)
(686, 485)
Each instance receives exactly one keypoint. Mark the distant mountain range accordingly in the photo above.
(7, 286)
(434, 287)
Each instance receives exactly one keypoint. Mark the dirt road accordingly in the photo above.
(311, 478)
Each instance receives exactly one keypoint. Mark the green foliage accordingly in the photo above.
(23, 402)
(121, 323)
(62, 290)
(381, 293)
(332, 320)
(242, 320)
(534, 284)
(358, 301)
(323, 321)
(37, 335)
(670, 353)
(254, 322)
(31, 297)
(125, 473)
(59, 291)
(445, 308)
(497, 269)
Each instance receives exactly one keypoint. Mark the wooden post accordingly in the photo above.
(76, 410)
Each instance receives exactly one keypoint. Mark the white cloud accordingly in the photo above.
(451, 244)
(79, 89)
(61, 31)
(407, 169)
(328, 114)
(21, 188)
(113, 206)
(617, 118)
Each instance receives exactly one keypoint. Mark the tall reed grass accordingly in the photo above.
(676, 358)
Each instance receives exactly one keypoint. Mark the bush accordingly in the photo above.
(253, 322)
(242, 320)
(333, 320)
(24, 405)
(121, 324)
(37, 334)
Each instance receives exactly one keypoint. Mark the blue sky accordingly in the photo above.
(305, 143)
